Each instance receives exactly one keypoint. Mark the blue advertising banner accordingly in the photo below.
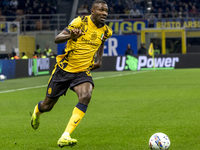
(7, 68)
(114, 46)
(117, 44)
(127, 26)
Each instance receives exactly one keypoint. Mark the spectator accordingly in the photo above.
(26, 9)
(2, 18)
(41, 9)
(112, 9)
(9, 56)
(174, 5)
(190, 5)
(180, 13)
(150, 17)
(53, 8)
(50, 8)
(47, 51)
(83, 10)
(35, 55)
(193, 11)
(5, 3)
(47, 11)
(126, 10)
(180, 4)
(14, 4)
(157, 46)
(142, 49)
(14, 56)
(29, 3)
(166, 4)
(38, 49)
(43, 55)
(153, 10)
(186, 10)
(167, 13)
(135, 13)
(174, 12)
(24, 55)
(119, 7)
(35, 8)
(52, 55)
(36, 4)
(129, 51)
(160, 13)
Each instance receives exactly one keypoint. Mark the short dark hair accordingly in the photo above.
(98, 1)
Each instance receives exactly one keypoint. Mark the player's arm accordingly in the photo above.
(66, 34)
(98, 62)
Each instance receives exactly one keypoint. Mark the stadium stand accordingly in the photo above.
(158, 8)
(11, 9)
(178, 7)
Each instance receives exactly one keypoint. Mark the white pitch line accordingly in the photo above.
(117, 75)
(35, 87)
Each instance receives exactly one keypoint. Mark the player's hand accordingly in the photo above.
(76, 33)
(96, 65)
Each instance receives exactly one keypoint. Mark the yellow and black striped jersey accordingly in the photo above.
(79, 55)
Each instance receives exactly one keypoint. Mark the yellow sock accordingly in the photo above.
(36, 111)
(76, 117)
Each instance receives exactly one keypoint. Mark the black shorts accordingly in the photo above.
(61, 80)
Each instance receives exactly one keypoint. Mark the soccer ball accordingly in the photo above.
(2, 77)
(159, 141)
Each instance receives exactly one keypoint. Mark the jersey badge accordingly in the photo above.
(49, 91)
(94, 36)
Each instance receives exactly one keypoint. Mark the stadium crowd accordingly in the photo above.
(159, 8)
(136, 8)
(20, 7)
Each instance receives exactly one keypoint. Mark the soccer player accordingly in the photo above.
(85, 37)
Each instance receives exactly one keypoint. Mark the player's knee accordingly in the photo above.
(85, 98)
(48, 104)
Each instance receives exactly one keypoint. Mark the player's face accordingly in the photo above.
(100, 12)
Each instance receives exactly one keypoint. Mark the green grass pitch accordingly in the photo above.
(125, 110)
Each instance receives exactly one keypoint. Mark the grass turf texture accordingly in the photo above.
(125, 110)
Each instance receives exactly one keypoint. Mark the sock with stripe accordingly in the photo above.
(77, 115)
(37, 109)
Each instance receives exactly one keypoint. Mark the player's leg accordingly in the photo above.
(84, 92)
(41, 107)
(56, 87)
